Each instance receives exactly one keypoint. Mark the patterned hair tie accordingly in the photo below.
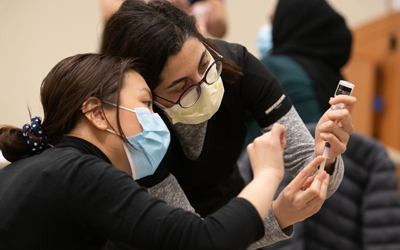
(36, 146)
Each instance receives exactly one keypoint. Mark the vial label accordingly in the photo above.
(343, 90)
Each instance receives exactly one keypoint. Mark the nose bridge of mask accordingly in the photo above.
(146, 119)
(203, 109)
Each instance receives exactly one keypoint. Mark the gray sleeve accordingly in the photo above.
(171, 192)
(299, 150)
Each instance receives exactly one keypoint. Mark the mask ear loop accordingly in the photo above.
(109, 130)
(115, 105)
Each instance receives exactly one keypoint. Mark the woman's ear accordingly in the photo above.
(92, 109)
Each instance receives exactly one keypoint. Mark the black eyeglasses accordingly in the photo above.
(192, 94)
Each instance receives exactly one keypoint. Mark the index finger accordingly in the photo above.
(348, 101)
(277, 130)
(302, 177)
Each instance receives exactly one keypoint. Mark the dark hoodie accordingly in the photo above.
(316, 37)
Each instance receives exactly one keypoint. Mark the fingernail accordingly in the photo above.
(322, 174)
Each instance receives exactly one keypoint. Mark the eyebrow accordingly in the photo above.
(183, 78)
(148, 91)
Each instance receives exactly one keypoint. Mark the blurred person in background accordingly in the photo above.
(304, 44)
(306, 47)
(310, 44)
(211, 14)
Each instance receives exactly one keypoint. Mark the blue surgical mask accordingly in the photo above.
(264, 39)
(150, 146)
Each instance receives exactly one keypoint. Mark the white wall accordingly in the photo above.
(35, 35)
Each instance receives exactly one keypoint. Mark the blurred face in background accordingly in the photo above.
(109, 7)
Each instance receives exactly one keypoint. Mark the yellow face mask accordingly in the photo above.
(207, 105)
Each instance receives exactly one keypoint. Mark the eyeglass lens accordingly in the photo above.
(214, 72)
(192, 94)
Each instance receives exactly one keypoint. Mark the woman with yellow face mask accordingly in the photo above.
(204, 89)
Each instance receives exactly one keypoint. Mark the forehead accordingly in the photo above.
(183, 63)
(134, 85)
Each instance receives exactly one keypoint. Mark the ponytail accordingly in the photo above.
(13, 144)
(17, 144)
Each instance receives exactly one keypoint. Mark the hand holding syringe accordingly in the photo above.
(343, 88)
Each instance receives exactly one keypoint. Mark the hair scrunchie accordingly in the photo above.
(36, 146)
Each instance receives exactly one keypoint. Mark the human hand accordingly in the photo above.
(266, 152)
(335, 127)
(266, 157)
(303, 196)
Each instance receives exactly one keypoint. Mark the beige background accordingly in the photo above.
(36, 34)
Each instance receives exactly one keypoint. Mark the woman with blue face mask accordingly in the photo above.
(204, 89)
(72, 180)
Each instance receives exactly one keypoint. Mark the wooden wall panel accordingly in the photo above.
(389, 120)
(362, 74)
(374, 68)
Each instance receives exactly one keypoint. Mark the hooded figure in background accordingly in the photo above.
(311, 41)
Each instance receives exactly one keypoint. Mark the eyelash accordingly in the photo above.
(204, 66)
(184, 86)
(149, 103)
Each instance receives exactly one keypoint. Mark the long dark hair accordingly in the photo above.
(155, 31)
(63, 91)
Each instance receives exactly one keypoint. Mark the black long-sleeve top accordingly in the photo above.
(213, 179)
(72, 197)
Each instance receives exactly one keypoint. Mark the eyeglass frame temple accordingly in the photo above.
(213, 50)
(178, 102)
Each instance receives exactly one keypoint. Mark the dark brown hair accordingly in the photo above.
(155, 31)
(63, 91)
